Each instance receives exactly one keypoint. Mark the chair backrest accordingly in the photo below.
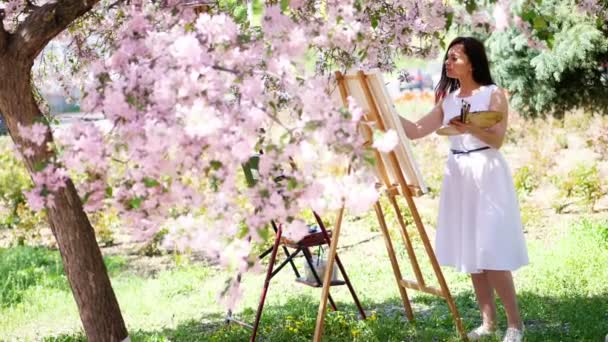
(370, 93)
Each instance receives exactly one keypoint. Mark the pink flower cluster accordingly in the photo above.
(190, 98)
(46, 183)
(593, 7)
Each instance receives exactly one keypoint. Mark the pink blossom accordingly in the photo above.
(188, 99)
(502, 15)
(34, 200)
(296, 230)
(35, 133)
(187, 48)
(14, 7)
(386, 142)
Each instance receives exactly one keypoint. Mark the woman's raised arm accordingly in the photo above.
(425, 126)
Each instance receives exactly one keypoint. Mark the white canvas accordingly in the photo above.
(390, 117)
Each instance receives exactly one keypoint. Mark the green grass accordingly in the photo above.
(563, 296)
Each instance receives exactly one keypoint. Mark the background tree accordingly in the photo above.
(552, 56)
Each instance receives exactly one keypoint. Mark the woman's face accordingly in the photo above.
(457, 64)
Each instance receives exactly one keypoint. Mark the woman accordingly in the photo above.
(479, 229)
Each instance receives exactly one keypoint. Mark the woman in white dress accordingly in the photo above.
(479, 228)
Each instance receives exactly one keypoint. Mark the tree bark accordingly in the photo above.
(88, 277)
(82, 259)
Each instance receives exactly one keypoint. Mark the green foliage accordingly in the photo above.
(575, 264)
(152, 248)
(105, 223)
(597, 138)
(14, 179)
(583, 182)
(571, 73)
(531, 215)
(25, 267)
(525, 180)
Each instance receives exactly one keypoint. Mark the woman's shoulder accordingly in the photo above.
(495, 87)
(498, 99)
(497, 92)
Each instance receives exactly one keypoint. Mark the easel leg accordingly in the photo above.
(406, 240)
(391, 254)
(327, 277)
(436, 268)
(273, 256)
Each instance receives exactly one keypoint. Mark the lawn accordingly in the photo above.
(563, 295)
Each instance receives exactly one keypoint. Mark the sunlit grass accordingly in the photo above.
(563, 296)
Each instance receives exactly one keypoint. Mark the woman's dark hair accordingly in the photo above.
(476, 53)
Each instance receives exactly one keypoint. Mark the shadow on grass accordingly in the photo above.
(572, 318)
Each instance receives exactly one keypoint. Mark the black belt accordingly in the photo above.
(469, 151)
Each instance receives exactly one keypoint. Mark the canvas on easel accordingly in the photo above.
(398, 175)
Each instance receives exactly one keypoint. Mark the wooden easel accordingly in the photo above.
(392, 190)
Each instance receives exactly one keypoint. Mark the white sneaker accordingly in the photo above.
(481, 332)
(514, 335)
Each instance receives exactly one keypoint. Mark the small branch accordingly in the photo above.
(221, 68)
(43, 24)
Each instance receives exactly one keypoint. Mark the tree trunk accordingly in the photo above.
(82, 260)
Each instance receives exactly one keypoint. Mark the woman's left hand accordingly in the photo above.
(463, 127)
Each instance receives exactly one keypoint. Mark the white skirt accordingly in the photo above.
(479, 225)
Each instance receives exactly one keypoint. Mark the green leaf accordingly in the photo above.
(40, 165)
(189, 27)
(264, 193)
(284, 5)
(550, 41)
(539, 23)
(292, 184)
(86, 197)
(44, 192)
(375, 20)
(248, 168)
(257, 7)
(215, 183)
(109, 191)
(264, 233)
(471, 6)
(135, 202)
(528, 15)
(240, 14)
(150, 182)
(448, 22)
(227, 4)
(215, 165)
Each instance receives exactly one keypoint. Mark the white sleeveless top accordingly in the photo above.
(479, 101)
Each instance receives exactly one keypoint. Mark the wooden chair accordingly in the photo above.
(318, 238)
